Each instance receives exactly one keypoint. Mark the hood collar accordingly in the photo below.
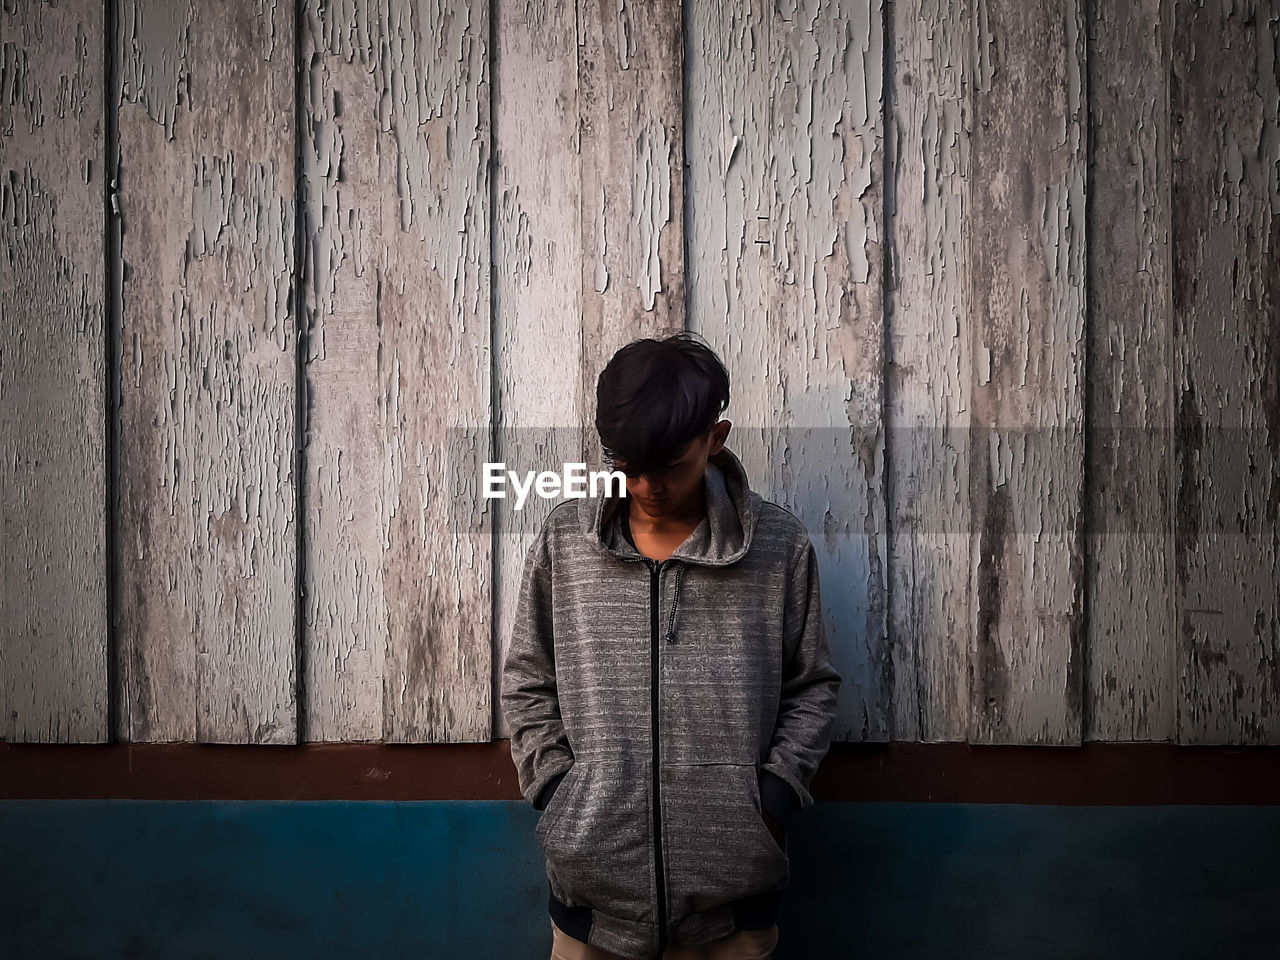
(722, 537)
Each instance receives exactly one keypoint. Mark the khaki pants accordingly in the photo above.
(742, 945)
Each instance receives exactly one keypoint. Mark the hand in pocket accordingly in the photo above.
(778, 831)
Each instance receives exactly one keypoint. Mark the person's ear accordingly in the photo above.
(719, 433)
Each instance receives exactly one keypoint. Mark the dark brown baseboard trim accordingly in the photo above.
(1096, 773)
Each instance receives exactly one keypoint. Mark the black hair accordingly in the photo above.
(654, 396)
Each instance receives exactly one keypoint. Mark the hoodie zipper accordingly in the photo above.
(655, 601)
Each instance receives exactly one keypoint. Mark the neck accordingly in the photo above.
(687, 514)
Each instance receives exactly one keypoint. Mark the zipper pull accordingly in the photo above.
(670, 635)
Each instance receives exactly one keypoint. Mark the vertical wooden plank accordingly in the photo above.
(632, 170)
(1131, 686)
(785, 221)
(929, 370)
(591, 99)
(53, 587)
(433, 367)
(396, 192)
(538, 273)
(345, 599)
(207, 486)
(1225, 92)
(1027, 300)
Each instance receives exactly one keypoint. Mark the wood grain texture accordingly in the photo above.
(53, 373)
(396, 293)
(1225, 92)
(1131, 684)
(929, 376)
(785, 225)
(537, 301)
(207, 480)
(589, 231)
(433, 367)
(631, 157)
(1027, 303)
(909, 381)
(345, 598)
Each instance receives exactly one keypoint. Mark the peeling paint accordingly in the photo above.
(624, 44)
(1226, 266)
(785, 122)
(207, 484)
(1027, 279)
(424, 106)
(1131, 666)
(986, 60)
(602, 250)
(650, 209)
(53, 376)
(930, 371)
(53, 632)
(787, 222)
(542, 230)
(20, 93)
(395, 183)
(245, 217)
(154, 64)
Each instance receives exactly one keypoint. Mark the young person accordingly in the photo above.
(668, 684)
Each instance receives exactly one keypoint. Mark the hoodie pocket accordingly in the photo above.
(552, 809)
(597, 838)
(717, 846)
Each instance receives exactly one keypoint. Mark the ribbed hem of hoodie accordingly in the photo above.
(575, 921)
(756, 912)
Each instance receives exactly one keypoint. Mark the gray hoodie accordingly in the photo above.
(655, 707)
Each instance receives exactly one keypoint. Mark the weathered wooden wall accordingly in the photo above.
(1225, 375)
(1131, 684)
(786, 234)
(203, 183)
(986, 393)
(396, 364)
(997, 282)
(53, 375)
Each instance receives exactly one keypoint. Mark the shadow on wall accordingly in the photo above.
(444, 879)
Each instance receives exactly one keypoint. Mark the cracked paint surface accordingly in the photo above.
(650, 209)
(538, 277)
(929, 370)
(395, 195)
(53, 572)
(1131, 687)
(896, 273)
(204, 196)
(784, 223)
(1027, 285)
(1225, 97)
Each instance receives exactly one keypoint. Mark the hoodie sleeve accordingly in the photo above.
(810, 684)
(530, 703)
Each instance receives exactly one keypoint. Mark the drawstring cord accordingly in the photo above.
(671, 621)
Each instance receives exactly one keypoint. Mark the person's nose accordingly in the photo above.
(649, 488)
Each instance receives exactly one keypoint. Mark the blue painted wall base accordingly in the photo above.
(427, 880)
